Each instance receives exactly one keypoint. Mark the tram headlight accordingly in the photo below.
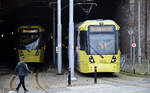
(113, 60)
(91, 59)
(37, 53)
(21, 53)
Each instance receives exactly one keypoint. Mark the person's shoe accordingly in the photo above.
(26, 91)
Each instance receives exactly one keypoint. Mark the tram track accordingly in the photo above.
(39, 84)
(13, 81)
(39, 81)
(36, 82)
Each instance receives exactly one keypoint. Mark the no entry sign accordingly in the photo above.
(133, 45)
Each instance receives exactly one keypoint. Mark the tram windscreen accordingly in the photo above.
(102, 43)
(30, 41)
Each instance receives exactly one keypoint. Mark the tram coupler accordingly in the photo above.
(69, 77)
(95, 75)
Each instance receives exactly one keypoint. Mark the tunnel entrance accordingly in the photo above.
(105, 9)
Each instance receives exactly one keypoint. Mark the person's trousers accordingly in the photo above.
(21, 78)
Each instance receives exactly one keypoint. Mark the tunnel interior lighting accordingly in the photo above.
(12, 33)
(2, 35)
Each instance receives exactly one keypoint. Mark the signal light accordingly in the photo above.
(2, 35)
(113, 60)
(21, 53)
(37, 53)
(91, 59)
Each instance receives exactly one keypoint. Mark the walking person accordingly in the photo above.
(22, 71)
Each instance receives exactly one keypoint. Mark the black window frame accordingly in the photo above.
(83, 40)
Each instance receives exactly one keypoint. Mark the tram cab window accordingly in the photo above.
(102, 40)
(30, 41)
(101, 44)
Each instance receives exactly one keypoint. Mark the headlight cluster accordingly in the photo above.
(37, 53)
(91, 59)
(113, 60)
(21, 53)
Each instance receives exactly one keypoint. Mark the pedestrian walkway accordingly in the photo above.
(98, 88)
(49, 82)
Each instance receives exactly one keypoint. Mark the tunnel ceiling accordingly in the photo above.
(8, 6)
(32, 10)
(38, 11)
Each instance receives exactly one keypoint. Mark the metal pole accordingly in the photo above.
(130, 32)
(59, 57)
(131, 52)
(134, 55)
(139, 32)
(95, 75)
(71, 39)
(69, 77)
(131, 24)
(148, 67)
(54, 44)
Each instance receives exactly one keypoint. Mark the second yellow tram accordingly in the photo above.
(31, 44)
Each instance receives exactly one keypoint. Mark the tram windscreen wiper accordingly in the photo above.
(96, 51)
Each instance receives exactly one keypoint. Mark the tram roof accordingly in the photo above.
(84, 26)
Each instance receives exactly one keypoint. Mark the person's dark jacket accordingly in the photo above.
(22, 69)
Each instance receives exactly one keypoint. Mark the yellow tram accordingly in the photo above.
(30, 43)
(97, 46)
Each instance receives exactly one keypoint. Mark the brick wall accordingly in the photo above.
(128, 17)
(145, 28)
(123, 16)
(148, 30)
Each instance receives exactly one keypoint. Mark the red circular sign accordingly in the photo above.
(133, 45)
(57, 50)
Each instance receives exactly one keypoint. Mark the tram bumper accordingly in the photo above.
(104, 68)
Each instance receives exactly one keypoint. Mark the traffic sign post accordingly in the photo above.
(133, 45)
(132, 48)
(130, 32)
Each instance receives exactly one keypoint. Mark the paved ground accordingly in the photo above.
(49, 82)
(101, 88)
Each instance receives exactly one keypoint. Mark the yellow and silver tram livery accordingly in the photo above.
(30, 43)
(97, 46)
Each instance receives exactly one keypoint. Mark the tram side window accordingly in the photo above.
(82, 40)
(118, 41)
